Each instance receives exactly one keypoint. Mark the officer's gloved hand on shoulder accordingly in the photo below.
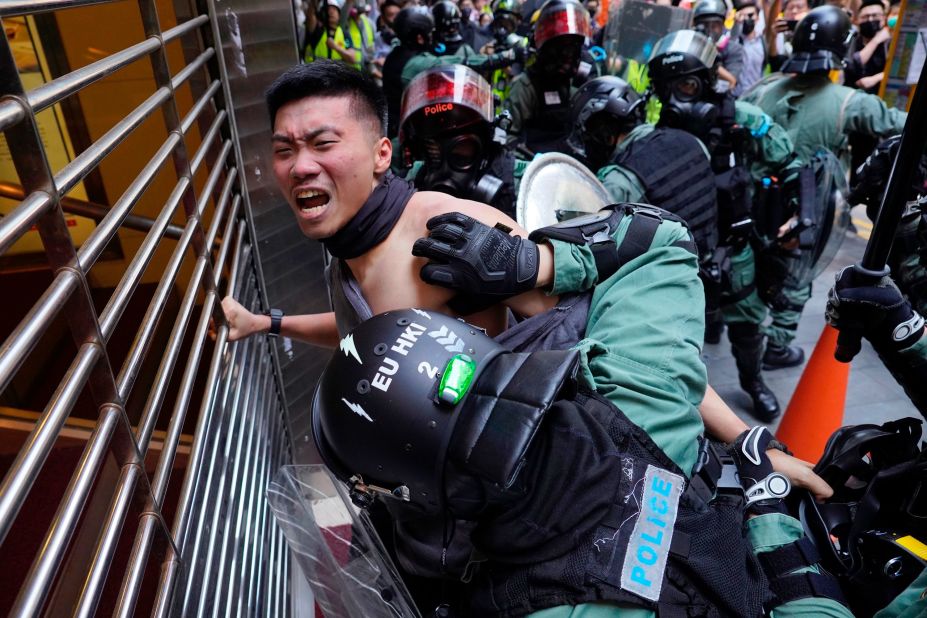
(469, 256)
(764, 489)
(879, 312)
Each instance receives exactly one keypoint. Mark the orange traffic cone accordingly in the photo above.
(816, 408)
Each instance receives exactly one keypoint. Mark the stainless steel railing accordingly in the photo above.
(219, 552)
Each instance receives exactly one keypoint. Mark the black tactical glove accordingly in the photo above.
(876, 311)
(764, 488)
(872, 177)
(471, 257)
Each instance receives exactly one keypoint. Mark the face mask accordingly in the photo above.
(695, 117)
(712, 33)
(747, 26)
(869, 29)
(455, 167)
(892, 21)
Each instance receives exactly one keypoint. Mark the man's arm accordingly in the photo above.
(622, 185)
(315, 328)
(867, 113)
(722, 424)
(644, 335)
(776, 153)
(348, 54)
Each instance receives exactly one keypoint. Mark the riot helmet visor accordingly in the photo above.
(561, 19)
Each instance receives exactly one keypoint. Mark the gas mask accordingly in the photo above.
(503, 28)
(686, 108)
(560, 58)
(598, 139)
(747, 26)
(455, 165)
(712, 28)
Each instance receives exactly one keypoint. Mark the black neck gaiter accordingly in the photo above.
(374, 221)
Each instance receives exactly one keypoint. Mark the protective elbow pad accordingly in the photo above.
(598, 230)
(504, 409)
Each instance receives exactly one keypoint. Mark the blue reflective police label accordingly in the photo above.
(649, 545)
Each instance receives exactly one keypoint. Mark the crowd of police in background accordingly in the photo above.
(716, 126)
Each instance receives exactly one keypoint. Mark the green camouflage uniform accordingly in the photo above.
(772, 153)
(645, 359)
(817, 114)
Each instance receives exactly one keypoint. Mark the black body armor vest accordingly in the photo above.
(548, 128)
(677, 177)
(630, 533)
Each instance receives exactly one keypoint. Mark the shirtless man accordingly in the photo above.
(331, 159)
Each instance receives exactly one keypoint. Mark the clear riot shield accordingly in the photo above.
(556, 187)
(637, 26)
(335, 545)
(831, 213)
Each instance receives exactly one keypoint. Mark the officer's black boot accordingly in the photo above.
(714, 326)
(747, 347)
(782, 356)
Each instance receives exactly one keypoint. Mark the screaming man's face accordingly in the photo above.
(327, 160)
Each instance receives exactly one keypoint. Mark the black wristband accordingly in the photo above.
(276, 321)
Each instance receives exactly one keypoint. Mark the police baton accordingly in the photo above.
(873, 265)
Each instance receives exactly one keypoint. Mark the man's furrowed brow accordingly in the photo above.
(308, 136)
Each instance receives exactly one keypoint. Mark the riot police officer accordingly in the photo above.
(436, 421)
(414, 26)
(448, 133)
(539, 99)
(506, 18)
(818, 117)
(708, 18)
(448, 39)
(669, 168)
(683, 71)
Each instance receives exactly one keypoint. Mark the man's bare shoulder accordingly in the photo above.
(427, 204)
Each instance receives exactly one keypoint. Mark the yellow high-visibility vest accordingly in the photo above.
(321, 48)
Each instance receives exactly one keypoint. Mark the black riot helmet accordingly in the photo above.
(561, 30)
(704, 9)
(601, 110)
(683, 71)
(708, 18)
(447, 22)
(410, 391)
(506, 16)
(821, 41)
(879, 477)
(446, 121)
(411, 22)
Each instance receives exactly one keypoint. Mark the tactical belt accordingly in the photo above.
(714, 475)
(729, 298)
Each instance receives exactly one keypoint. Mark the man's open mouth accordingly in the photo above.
(311, 201)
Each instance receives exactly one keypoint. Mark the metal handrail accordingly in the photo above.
(91, 210)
